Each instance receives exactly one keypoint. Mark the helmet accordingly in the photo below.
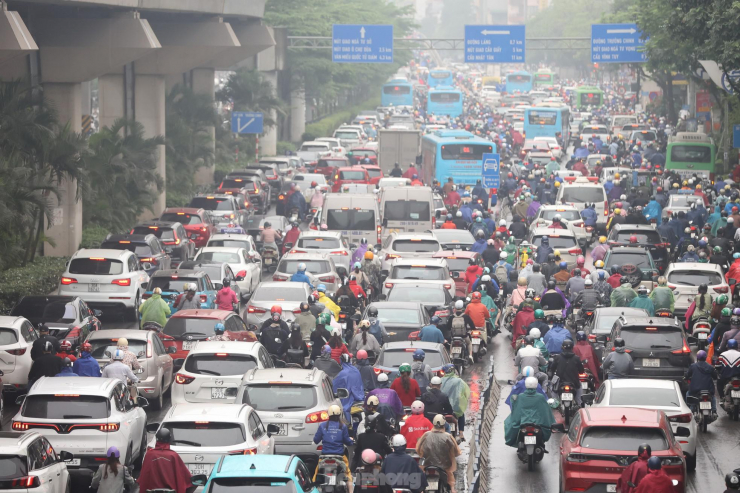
(556, 253)
(419, 354)
(346, 358)
(66, 346)
(624, 280)
(324, 318)
(654, 463)
(219, 328)
(301, 267)
(531, 382)
(404, 368)
(563, 265)
(633, 239)
(588, 282)
(644, 448)
(618, 342)
(614, 269)
(726, 312)
(529, 293)
(717, 249)
(580, 335)
(580, 261)
(439, 421)
(722, 299)
(436, 320)
(539, 314)
(382, 378)
(369, 255)
(535, 332)
(448, 369)
(276, 309)
(321, 288)
(335, 410)
(503, 256)
(373, 399)
(732, 344)
(369, 457)
(528, 371)
(113, 452)
(417, 407)
(438, 381)
(304, 307)
(163, 435)
(599, 264)
(701, 355)
(314, 184)
(528, 340)
(372, 312)
(459, 305)
(365, 324)
(398, 441)
(567, 345)
(192, 287)
(476, 296)
(361, 354)
(363, 241)
(226, 283)
(86, 346)
(732, 481)
(117, 355)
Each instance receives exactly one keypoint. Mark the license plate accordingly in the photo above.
(72, 462)
(566, 397)
(330, 480)
(584, 385)
(199, 469)
(476, 341)
(736, 394)
(456, 350)
(432, 485)
(188, 345)
(705, 405)
(702, 335)
(529, 440)
(93, 288)
(268, 261)
(283, 429)
(218, 393)
(611, 488)
(654, 363)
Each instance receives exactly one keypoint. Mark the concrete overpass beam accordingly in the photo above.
(15, 40)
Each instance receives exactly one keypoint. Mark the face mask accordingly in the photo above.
(276, 317)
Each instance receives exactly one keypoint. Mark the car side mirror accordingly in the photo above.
(19, 400)
(142, 402)
(588, 399)
(146, 266)
(455, 274)
(99, 313)
(144, 285)
(273, 430)
(65, 456)
(353, 246)
(558, 427)
(152, 427)
(732, 282)
(218, 286)
(193, 236)
(171, 349)
(682, 431)
(341, 393)
(198, 480)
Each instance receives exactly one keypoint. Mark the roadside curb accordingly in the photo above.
(478, 469)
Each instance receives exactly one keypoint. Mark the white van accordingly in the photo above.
(407, 209)
(354, 215)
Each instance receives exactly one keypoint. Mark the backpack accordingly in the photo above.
(458, 326)
(502, 275)
(376, 332)
(421, 378)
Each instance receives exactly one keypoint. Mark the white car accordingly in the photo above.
(388, 182)
(570, 217)
(203, 433)
(106, 279)
(664, 395)
(85, 416)
(212, 370)
(252, 270)
(555, 148)
(329, 243)
(419, 271)
(239, 260)
(16, 340)
(585, 190)
(287, 295)
(320, 269)
(562, 240)
(29, 463)
(407, 245)
(593, 131)
(685, 277)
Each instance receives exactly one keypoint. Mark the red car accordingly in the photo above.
(186, 327)
(374, 171)
(197, 222)
(357, 155)
(328, 166)
(602, 440)
(344, 176)
(458, 262)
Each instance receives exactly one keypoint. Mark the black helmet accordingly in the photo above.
(311, 299)
(550, 257)
(703, 288)
(371, 422)
(226, 282)
(551, 284)
(614, 269)
(654, 463)
(267, 224)
(576, 272)
(618, 342)
(304, 307)
(732, 481)
(372, 312)
(644, 447)
(163, 435)
(580, 336)
(567, 345)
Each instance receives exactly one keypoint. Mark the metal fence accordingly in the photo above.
(478, 469)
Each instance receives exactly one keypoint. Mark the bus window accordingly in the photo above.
(591, 98)
(543, 117)
(444, 97)
(396, 90)
(464, 151)
(691, 154)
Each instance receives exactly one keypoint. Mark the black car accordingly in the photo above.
(634, 262)
(147, 248)
(68, 317)
(601, 326)
(644, 236)
(434, 297)
(172, 235)
(400, 317)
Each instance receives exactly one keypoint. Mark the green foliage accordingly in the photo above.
(283, 147)
(93, 236)
(326, 126)
(37, 278)
(247, 90)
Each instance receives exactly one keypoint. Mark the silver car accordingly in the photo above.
(296, 401)
(327, 242)
(407, 245)
(319, 267)
(286, 295)
(155, 375)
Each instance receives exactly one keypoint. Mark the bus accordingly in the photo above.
(544, 78)
(453, 153)
(445, 101)
(398, 92)
(546, 122)
(690, 153)
(520, 81)
(589, 96)
(440, 77)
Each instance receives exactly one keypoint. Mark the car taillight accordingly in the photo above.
(108, 427)
(448, 286)
(379, 230)
(317, 417)
(249, 451)
(69, 280)
(377, 371)
(574, 250)
(606, 208)
(183, 379)
(390, 256)
(339, 252)
(148, 349)
(684, 350)
(16, 352)
(121, 282)
(681, 418)
(576, 458)
(329, 279)
(146, 296)
(389, 285)
(203, 229)
(204, 298)
(254, 309)
(278, 278)
(721, 289)
(25, 482)
(19, 426)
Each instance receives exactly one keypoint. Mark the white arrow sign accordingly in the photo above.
(485, 32)
(241, 127)
(621, 31)
(362, 32)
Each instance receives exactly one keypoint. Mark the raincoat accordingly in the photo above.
(542, 252)
(554, 339)
(529, 407)
(655, 482)
(359, 254)
(367, 373)
(349, 378)
(155, 309)
(642, 301)
(510, 248)
(633, 474)
(479, 246)
(458, 392)
(86, 366)
(301, 277)
(388, 399)
(585, 351)
(662, 297)
(163, 468)
(522, 320)
(329, 304)
(520, 388)
(623, 295)
(653, 211)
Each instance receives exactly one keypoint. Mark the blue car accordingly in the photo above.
(172, 282)
(263, 473)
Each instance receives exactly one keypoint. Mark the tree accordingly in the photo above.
(247, 90)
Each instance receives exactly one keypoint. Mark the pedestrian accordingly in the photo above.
(112, 477)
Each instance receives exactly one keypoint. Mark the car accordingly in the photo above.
(328, 166)
(663, 395)
(642, 137)
(68, 317)
(585, 190)
(374, 171)
(255, 224)
(684, 279)
(357, 154)
(203, 433)
(454, 239)
(185, 328)
(345, 176)
(679, 202)
(570, 216)
(255, 196)
(638, 257)
(329, 243)
(156, 373)
(407, 245)
(268, 175)
(294, 400)
(225, 210)
(562, 240)
(601, 327)
(149, 250)
(393, 354)
(591, 131)
(172, 235)
(646, 236)
(601, 442)
(419, 272)
(252, 472)
(85, 416)
(400, 318)
(28, 460)
(105, 279)
(197, 222)
(592, 159)
(390, 182)
(218, 271)
(435, 298)
(658, 346)
(174, 282)
(540, 158)
(286, 165)
(305, 180)
(212, 370)
(240, 261)
(16, 340)
(320, 269)
(287, 295)
(554, 145)
(458, 262)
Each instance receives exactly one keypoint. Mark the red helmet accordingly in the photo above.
(633, 239)
(510, 175)
(86, 346)
(314, 184)
(276, 309)
(660, 189)
(735, 209)
(580, 261)
(65, 345)
(476, 296)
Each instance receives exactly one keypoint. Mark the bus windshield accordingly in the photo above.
(543, 117)
(440, 75)
(396, 89)
(518, 78)
(543, 77)
(444, 97)
(591, 98)
(691, 154)
(465, 151)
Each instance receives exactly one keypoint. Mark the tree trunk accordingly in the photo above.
(39, 231)
(27, 256)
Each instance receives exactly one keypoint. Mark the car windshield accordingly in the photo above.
(41, 310)
(418, 272)
(556, 242)
(407, 210)
(177, 326)
(694, 278)
(228, 257)
(396, 357)
(65, 406)
(252, 485)
(312, 266)
(12, 467)
(174, 284)
(581, 194)
(681, 200)
(319, 243)
(347, 135)
(373, 172)
(619, 438)
(399, 316)
(646, 237)
(104, 348)
(160, 232)
(95, 266)
(282, 293)
(457, 264)
(212, 204)
(204, 433)
(624, 120)
(416, 246)
(640, 260)
(652, 337)
(181, 217)
(564, 214)
(283, 396)
(643, 397)
(403, 292)
(220, 364)
(351, 175)
(214, 271)
(229, 243)
(140, 249)
(350, 219)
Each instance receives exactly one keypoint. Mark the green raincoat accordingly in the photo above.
(642, 301)
(529, 407)
(623, 295)
(155, 309)
(719, 223)
(510, 248)
(543, 351)
(662, 297)
(457, 391)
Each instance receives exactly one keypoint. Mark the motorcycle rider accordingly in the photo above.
(587, 300)
(226, 297)
(65, 350)
(401, 470)
(435, 401)
(732, 482)
(366, 370)
(431, 332)
(37, 349)
(376, 326)
(117, 369)
(297, 201)
(188, 301)
(701, 376)
(274, 331)
(642, 301)
(364, 340)
(618, 363)
(585, 351)
(624, 294)
(327, 302)
(415, 425)
(729, 363)
(270, 236)
(662, 296)
(567, 367)
(301, 276)
(359, 252)
(530, 407)
(635, 472)
(384, 400)
(371, 439)
(333, 436)
(553, 298)
(458, 392)
(349, 378)
(306, 320)
(522, 320)
(528, 355)
(556, 336)
(294, 350)
(326, 363)
(458, 324)
(440, 449)
(656, 481)
(46, 365)
(163, 468)
(574, 285)
(86, 365)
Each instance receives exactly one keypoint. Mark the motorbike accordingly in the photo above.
(269, 258)
(451, 421)
(436, 480)
(585, 319)
(702, 329)
(732, 398)
(702, 408)
(459, 354)
(294, 215)
(311, 214)
(530, 445)
(357, 411)
(588, 383)
(332, 474)
(566, 394)
(479, 345)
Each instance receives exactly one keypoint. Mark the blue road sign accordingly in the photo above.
(494, 44)
(246, 122)
(736, 136)
(616, 43)
(491, 175)
(359, 43)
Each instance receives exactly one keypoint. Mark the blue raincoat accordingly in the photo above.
(581, 152)
(467, 213)
(479, 246)
(301, 277)
(554, 339)
(351, 379)
(653, 211)
(86, 366)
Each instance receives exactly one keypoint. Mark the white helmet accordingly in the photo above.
(397, 441)
(373, 399)
(528, 371)
(502, 222)
(530, 383)
(459, 305)
(301, 267)
(297, 188)
(535, 332)
(503, 256)
(485, 278)
(417, 407)
(609, 178)
(382, 377)
(558, 217)
(192, 287)
(434, 381)
(589, 282)
(439, 421)
(623, 197)
(117, 355)
(335, 410)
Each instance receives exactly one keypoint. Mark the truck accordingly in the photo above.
(398, 146)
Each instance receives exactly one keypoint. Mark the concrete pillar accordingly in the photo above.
(111, 99)
(297, 114)
(149, 109)
(66, 226)
(203, 80)
(268, 140)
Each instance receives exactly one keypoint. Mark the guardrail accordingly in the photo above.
(478, 468)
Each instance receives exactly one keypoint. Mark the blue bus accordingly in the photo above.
(453, 153)
(440, 77)
(446, 101)
(546, 122)
(519, 81)
(398, 92)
